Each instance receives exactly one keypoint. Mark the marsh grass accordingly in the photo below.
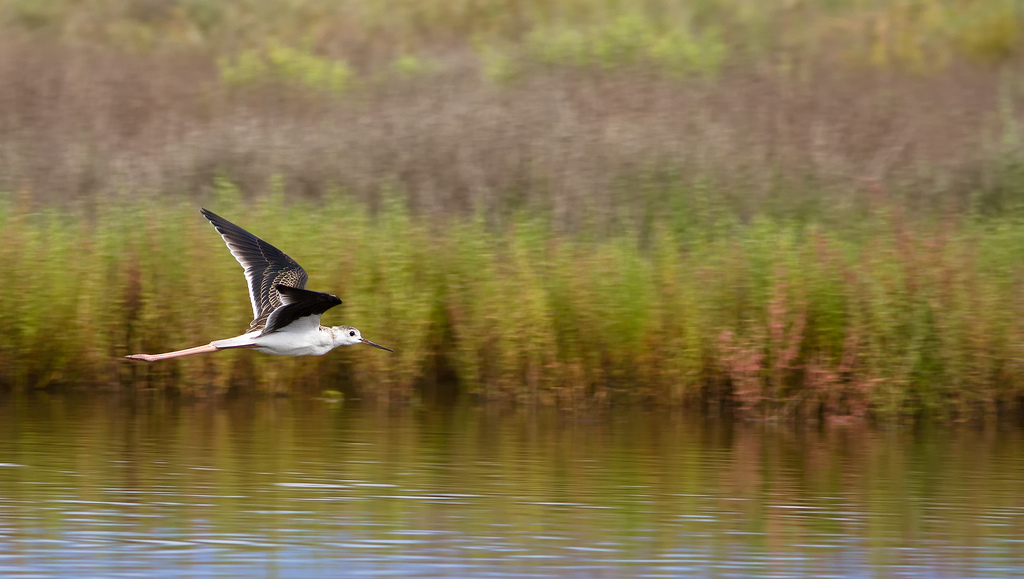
(789, 209)
(888, 318)
(609, 148)
(696, 35)
(506, 105)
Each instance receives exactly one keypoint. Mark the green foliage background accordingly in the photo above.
(784, 319)
(807, 271)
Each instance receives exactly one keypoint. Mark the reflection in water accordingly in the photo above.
(289, 488)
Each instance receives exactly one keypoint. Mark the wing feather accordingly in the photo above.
(298, 303)
(265, 267)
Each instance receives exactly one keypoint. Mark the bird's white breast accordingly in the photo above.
(296, 339)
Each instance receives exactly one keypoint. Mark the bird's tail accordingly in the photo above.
(243, 341)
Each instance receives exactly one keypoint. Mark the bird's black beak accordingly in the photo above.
(369, 343)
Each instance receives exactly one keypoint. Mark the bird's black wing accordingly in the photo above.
(299, 303)
(265, 267)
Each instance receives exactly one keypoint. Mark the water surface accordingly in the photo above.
(104, 487)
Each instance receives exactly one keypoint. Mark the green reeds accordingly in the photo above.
(887, 316)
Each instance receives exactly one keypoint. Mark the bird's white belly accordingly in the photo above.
(291, 343)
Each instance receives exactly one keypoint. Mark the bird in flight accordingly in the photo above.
(286, 316)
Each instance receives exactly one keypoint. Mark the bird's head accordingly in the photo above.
(349, 336)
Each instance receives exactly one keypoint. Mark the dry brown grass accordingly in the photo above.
(586, 147)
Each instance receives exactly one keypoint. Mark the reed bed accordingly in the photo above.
(789, 210)
(889, 317)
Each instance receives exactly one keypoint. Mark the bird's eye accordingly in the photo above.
(352, 333)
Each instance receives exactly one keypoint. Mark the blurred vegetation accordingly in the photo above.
(790, 207)
(886, 316)
(285, 65)
(698, 35)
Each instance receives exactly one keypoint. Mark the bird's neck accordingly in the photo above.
(329, 336)
(335, 335)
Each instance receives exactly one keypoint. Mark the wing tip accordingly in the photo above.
(214, 219)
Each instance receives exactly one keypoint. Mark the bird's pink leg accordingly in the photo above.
(167, 355)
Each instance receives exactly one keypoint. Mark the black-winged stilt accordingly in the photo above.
(286, 317)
